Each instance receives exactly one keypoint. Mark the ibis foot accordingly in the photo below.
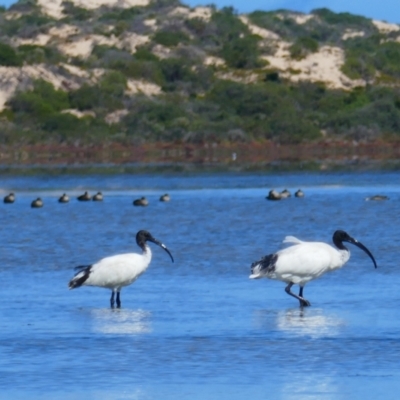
(302, 300)
(304, 303)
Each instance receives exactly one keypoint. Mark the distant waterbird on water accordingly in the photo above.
(38, 203)
(84, 197)
(299, 193)
(63, 199)
(274, 195)
(117, 271)
(377, 197)
(143, 202)
(305, 261)
(9, 199)
(98, 197)
(285, 194)
(165, 197)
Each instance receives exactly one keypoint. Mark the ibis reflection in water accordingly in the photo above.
(117, 271)
(305, 261)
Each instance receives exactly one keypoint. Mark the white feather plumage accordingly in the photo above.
(117, 271)
(303, 262)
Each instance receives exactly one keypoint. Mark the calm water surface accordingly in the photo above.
(199, 328)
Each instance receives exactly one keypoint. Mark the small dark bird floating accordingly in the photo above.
(299, 193)
(377, 197)
(142, 202)
(274, 195)
(63, 199)
(98, 197)
(84, 197)
(38, 203)
(165, 197)
(9, 199)
(285, 194)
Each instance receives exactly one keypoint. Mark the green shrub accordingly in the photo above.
(138, 69)
(144, 54)
(302, 47)
(155, 120)
(227, 25)
(76, 13)
(242, 52)
(284, 25)
(343, 18)
(196, 25)
(8, 56)
(107, 94)
(41, 101)
(33, 54)
(120, 27)
(62, 122)
(85, 98)
(170, 38)
(125, 14)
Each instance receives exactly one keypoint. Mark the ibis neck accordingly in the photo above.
(147, 252)
(339, 244)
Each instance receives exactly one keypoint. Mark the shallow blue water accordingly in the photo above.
(199, 328)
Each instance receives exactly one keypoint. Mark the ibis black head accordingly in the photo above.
(341, 236)
(144, 236)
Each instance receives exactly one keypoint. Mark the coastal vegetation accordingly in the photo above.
(213, 76)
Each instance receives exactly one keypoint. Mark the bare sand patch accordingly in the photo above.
(386, 27)
(323, 66)
(141, 86)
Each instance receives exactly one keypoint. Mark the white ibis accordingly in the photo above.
(38, 203)
(84, 197)
(9, 199)
(63, 199)
(305, 261)
(117, 271)
(165, 197)
(143, 202)
(98, 197)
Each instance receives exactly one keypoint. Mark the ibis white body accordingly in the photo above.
(303, 262)
(116, 272)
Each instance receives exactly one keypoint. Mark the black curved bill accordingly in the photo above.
(163, 246)
(362, 247)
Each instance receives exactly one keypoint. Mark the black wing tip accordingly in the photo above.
(76, 282)
(266, 263)
(82, 267)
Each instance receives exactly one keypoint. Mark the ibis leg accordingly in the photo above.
(112, 299)
(305, 302)
(302, 300)
(118, 300)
